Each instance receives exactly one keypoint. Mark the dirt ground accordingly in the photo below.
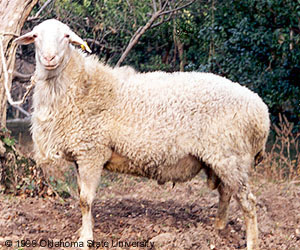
(135, 213)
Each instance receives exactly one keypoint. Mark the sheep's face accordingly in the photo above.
(52, 42)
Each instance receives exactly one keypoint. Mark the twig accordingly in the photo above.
(5, 72)
(42, 8)
(162, 21)
(21, 76)
(128, 3)
(176, 9)
(154, 5)
(40, 11)
(23, 111)
(8, 34)
(97, 43)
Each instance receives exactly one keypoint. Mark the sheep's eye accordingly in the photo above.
(34, 36)
(67, 36)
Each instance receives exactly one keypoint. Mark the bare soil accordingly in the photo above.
(135, 213)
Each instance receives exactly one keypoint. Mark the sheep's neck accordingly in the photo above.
(88, 90)
(50, 85)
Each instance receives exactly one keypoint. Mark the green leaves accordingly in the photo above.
(254, 42)
(9, 141)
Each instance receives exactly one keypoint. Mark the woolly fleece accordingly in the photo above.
(157, 123)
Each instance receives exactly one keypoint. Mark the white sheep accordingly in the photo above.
(159, 125)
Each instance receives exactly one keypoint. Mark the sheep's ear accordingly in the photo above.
(26, 39)
(74, 39)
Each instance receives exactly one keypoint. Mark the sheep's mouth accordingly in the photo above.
(51, 67)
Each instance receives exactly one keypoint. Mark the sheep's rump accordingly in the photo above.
(180, 121)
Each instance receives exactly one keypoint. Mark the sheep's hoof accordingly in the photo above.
(220, 224)
(252, 248)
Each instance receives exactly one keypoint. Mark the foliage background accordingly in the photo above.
(253, 42)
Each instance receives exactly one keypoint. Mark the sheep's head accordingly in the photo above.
(52, 41)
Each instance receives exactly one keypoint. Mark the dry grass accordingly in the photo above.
(282, 162)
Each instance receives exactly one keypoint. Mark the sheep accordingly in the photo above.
(164, 126)
(124, 72)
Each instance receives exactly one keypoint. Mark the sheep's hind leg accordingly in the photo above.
(247, 202)
(224, 200)
(213, 181)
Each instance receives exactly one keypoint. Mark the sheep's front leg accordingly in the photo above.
(89, 172)
(224, 200)
(88, 182)
(247, 202)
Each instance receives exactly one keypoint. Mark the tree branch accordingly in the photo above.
(154, 5)
(5, 72)
(162, 21)
(97, 43)
(23, 111)
(21, 76)
(150, 24)
(40, 10)
(178, 8)
(137, 36)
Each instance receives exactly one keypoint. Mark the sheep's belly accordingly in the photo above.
(183, 170)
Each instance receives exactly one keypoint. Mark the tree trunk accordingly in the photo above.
(180, 46)
(13, 14)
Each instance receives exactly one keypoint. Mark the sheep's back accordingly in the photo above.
(181, 113)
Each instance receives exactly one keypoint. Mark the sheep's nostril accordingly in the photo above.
(49, 58)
